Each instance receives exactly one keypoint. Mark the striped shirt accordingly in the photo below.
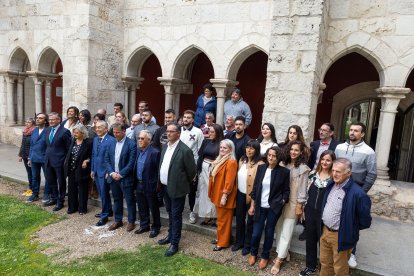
(331, 216)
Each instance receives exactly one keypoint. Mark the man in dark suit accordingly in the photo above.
(146, 178)
(57, 145)
(177, 171)
(119, 164)
(101, 144)
(326, 132)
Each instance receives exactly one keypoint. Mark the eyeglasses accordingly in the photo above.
(141, 138)
(323, 130)
(171, 131)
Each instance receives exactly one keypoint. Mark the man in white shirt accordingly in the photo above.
(177, 171)
(193, 137)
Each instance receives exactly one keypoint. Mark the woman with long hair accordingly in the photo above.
(72, 118)
(77, 169)
(245, 177)
(30, 125)
(270, 193)
(267, 138)
(318, 180)
(222, 191)
(296, 162)
(85, 119)
(208, 152)
(206, 102)
(294, 133)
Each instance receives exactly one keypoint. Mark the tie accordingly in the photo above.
(324, 143)
(99, 144)
(52, 133)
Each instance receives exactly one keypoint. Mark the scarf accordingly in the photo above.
(27, 131)
(217, 164)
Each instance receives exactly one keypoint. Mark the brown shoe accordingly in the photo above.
(115, 225)
(130, 227)
(263, 263)
(251, 260)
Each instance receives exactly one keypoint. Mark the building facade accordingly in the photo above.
(299, 62)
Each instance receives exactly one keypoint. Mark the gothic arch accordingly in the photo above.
(136, 60)
(239, 58)
(48, 59)
(182, 65)
(19, 60)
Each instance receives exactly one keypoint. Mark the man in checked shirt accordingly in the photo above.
(345, 210)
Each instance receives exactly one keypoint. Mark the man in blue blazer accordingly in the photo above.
(101, 144)
(119, 165)
(37, 157)
(146, 178)
(57, 145)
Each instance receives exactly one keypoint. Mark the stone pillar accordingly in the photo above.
(38, 95)
(131, 84)
(48, 95)
(10, 101)
(390, 98)
(169, 91)
(20, 101)
(3, 100)
(222, 86)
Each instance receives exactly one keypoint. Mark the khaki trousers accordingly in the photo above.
(332, 261)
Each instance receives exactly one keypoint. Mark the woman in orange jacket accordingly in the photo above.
(222, 191)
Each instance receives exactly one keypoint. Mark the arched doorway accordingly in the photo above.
(353, 75)
(252, 83)
(150, 89)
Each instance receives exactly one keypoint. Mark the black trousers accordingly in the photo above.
(192, 194)
(313, 234)
(148, 202)
(244, 229)
(57, 184)
(77, 194)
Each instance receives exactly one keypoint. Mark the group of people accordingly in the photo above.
(267, 185)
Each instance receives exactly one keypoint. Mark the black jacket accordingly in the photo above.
(85, 152)
(314, 147)
(279, 189)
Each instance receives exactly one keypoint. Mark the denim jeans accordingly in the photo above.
(267, 221)
(36, 179)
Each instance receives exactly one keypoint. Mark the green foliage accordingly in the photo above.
(20, 256)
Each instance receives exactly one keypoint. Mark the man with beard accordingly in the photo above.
(236, 106)
(193, 137)
(326, 142)
(239, 137)
(160, 136)
(147, 124)
(364, 163)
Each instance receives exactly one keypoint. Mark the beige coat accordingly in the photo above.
(251, 174)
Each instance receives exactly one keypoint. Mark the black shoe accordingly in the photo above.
(307, 271)
(98, 215)
(32, 198)
(101, 222)
(302, 236)
(236, 247)
(71, 212)
(213, 242)
(165, 240)
(154, 233)
(218, 248)
(50, 203)
(245, 251)
(57, 208)
(171, 250)
(141, 230)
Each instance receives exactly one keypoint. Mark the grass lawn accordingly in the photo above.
(18, 256)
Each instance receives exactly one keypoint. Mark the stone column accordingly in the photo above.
(169, 91)
(10, 101)
(390, 98)
(131, 84)
(3, 100)
(38, 95)
(48, 95)
(20, 101)
(222, 86)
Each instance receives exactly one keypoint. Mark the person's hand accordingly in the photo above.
(20, 159)
(299, 210)
(92, 176)
(29, 163)
(84, 164)
(251, 210)
(223, 200)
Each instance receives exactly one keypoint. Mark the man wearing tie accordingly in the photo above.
(101, 143)
(147, 165)
(57, 145)
(177, 171)
(119, 164)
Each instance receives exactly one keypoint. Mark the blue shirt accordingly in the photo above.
(140, 162)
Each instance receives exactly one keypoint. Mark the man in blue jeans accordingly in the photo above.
(36, 158)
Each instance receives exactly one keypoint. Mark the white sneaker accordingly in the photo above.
(352, 262)
(192, 218)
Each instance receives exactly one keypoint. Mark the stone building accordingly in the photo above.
(296, 61)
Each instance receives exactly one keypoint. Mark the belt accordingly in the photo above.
(330, 229)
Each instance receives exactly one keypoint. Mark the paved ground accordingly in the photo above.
(386, 248)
